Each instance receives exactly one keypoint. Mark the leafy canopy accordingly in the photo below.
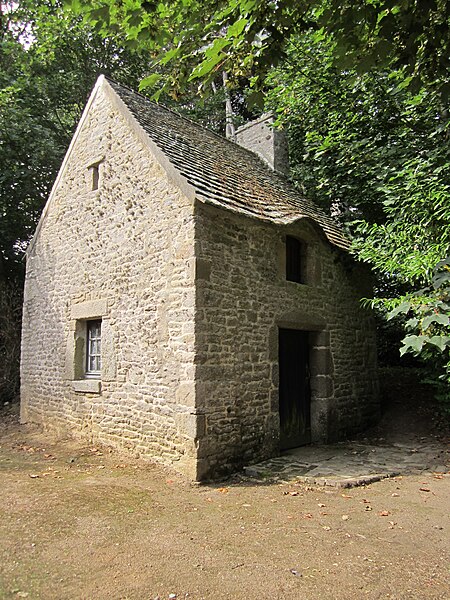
(197, 38)
(373, 152)
(48, 63)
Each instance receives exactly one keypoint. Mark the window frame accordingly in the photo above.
(296, 258)
(93, 339)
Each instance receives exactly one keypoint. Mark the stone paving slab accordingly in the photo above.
(351, 464)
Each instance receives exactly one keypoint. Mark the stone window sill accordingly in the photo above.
(87, 386)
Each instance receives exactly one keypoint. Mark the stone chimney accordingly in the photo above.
(267, 142)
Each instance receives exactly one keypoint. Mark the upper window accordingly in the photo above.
(94, 349)
(295, 260)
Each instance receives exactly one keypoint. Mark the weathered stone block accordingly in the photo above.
(87, 386)
(91, 309)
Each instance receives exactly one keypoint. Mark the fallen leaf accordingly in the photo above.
(384, 513)
(223, 490)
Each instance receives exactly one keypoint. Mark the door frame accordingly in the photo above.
(322, 409)
(294, 348)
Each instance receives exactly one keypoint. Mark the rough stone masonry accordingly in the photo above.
(190, 296)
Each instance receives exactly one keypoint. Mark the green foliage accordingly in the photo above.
(10, 321)
(428, 328)
(416, 202)
(248, 37)
(48, 64)
(374, 155)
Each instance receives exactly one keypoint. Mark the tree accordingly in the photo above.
(48, 64)
(248, 37)
(377, 155)
(372, 152)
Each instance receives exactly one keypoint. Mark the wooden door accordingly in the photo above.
(295, 397)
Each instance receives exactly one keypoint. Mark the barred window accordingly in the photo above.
(94, 348)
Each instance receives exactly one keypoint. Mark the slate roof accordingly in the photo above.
(222, 172)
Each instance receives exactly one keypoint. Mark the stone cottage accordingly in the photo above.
(184, 302)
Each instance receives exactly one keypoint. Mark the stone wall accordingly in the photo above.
(123, 253)
(242, 300)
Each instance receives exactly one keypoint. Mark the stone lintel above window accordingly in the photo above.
(91, 309)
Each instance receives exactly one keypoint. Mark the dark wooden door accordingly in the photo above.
(295, 397)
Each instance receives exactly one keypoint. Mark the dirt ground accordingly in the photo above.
(84, 523)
